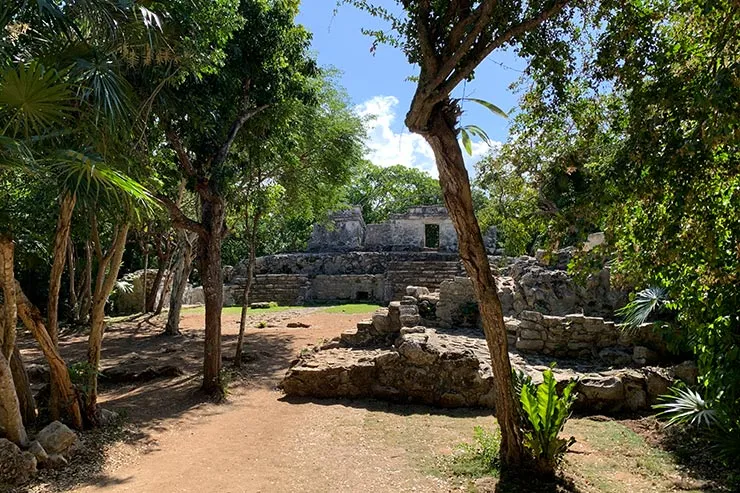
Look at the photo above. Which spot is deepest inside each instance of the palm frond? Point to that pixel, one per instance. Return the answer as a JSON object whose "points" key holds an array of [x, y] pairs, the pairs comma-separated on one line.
{"points": [[686, 406], [637, 311], [32, 99], [87, 173]]}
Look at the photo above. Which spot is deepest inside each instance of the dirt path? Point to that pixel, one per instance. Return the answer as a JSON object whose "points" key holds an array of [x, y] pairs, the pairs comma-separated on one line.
{"points": [[258, 441]]}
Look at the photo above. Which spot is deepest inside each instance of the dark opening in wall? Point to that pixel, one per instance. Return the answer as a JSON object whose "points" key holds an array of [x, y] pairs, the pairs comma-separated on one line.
{"points": [[362, 296], [431, 236]]}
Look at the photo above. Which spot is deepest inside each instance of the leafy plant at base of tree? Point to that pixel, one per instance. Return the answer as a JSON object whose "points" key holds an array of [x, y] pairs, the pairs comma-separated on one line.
{"points": [[544, 414]]}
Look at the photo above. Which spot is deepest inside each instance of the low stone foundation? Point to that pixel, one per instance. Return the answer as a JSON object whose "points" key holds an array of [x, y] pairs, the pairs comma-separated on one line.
{"points": [[452, 369]]}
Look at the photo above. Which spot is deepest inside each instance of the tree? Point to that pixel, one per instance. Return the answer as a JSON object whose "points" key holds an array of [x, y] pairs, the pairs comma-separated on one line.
{"points": [[383, 191], [295, 158], [448, 40], [510, 204], [265, 62]]}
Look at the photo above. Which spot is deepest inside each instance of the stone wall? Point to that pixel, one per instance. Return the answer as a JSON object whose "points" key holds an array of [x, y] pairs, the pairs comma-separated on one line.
{"points": [[357, 287], [344, 231], [525, 284], [578, 336]]}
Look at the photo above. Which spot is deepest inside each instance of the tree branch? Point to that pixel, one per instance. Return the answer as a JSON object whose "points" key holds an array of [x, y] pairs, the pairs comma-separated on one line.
{"points": [[482, 50], [178, 218], [223, 152], [182, 155]]}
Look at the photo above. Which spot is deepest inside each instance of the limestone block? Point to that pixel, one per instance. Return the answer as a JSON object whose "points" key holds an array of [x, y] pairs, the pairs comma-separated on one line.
{"points": [[531, 334], [16, 467], [394, 316], [56, 438], [409, 316], [530, 344], [531, 316], [382, 321]]}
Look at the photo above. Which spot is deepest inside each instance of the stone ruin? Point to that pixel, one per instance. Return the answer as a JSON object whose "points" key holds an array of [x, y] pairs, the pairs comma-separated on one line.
{"points": [[427, 345]]}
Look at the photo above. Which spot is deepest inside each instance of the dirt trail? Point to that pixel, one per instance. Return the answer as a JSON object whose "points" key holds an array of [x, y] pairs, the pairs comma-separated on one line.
{"points": [[257, 442]]}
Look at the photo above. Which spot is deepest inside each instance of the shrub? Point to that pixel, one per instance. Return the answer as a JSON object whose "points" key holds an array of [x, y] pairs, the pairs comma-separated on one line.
{"points": [[479, 458], [544, 414]]}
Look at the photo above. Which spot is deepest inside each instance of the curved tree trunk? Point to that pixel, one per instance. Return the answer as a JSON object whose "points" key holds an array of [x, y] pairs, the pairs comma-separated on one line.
{"points": [[209, 255], [182, 269], [61, 236], [252, 232], [440, 133], [23, 388], [108, 266], [67, 407]]}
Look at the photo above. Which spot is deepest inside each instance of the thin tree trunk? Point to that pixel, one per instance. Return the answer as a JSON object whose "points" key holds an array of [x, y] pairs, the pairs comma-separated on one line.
{"points": [[441, 135], [86, 295], [72, 271], [209, 254], [108, 266], [166, 286], [252, 232], [23, 388], [64, 223], [145, 303], [151, 299], [183, 268]]}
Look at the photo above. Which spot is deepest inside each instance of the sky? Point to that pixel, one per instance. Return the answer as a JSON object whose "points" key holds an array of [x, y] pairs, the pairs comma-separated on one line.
{"points": [[378, 87]]}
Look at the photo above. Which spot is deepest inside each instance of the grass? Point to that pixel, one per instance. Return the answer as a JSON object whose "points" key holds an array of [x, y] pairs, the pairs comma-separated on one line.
{"points": [[236, 310], [352, 308]]}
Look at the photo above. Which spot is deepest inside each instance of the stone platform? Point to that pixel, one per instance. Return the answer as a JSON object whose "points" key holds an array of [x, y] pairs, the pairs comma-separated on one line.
{"points": [[452, 369]]}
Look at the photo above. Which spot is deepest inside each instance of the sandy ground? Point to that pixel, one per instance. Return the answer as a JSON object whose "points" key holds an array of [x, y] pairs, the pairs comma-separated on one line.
{"points": [[257, 441]]}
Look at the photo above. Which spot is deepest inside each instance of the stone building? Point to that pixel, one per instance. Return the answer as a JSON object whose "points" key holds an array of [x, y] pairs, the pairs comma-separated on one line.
{"points": [[424, 228]]}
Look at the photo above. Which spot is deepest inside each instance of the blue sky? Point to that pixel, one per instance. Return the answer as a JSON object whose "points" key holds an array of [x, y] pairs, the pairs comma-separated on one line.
{"points": [[378, 87]]}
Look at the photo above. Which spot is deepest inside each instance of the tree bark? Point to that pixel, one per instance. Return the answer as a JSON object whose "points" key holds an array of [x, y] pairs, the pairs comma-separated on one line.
{"points": [[105, 279], [166, 286], [10, 412], [72, 271], [209, 255], [183, 268], [61, 236], [23, 388], [252, 234], [85, 298], [68, 406], [11, 418], [440, 133]]}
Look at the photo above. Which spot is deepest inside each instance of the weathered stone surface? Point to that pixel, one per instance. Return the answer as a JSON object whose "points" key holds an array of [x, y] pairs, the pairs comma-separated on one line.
{"points": [[686, 371], [16, 467], [452, 369], [38, 451], [56, 438], [260, 305], [382, 321], [615, 357], [417, 291]]}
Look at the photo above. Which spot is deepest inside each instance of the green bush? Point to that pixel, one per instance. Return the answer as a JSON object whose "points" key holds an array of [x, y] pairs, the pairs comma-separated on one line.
{"points": [[544, 414]]}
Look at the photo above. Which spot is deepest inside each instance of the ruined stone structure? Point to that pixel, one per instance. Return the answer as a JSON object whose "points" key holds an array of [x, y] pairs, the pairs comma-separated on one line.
{"points": [[393, 357], [419, 229]]}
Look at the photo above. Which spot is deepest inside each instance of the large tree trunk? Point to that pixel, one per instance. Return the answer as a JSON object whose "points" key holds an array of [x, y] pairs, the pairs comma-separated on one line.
{"points": [[108, 266], [67, 407], [61, 236], [183, 268], [209, 255], [440, 133], [10, 412], [23, 388], [11, 418]]}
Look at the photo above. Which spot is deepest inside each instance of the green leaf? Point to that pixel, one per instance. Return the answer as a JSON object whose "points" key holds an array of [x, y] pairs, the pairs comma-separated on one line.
{"points": [[495, 109], [467, 144]]}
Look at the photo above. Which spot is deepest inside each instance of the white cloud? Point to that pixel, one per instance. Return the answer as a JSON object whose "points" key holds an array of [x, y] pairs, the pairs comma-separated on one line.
{"points": [[386, 147]]}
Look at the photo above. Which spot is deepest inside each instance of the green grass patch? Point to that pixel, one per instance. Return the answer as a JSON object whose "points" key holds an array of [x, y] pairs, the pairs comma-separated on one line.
{"points": [[476, 459], [352, 308], [236, 310]]}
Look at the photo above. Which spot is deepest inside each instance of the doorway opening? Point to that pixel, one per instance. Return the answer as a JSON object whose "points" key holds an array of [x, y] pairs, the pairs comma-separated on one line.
{"points": [[431, 236]]}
